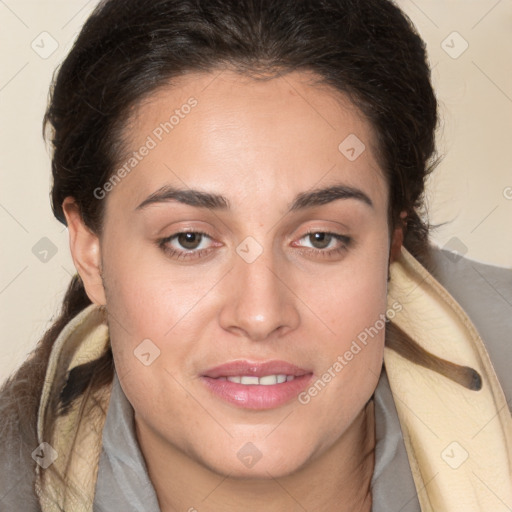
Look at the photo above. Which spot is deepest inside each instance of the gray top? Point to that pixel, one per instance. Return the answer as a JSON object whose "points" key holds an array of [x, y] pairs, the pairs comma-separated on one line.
{"points": [[123, 482], [484, 292]]}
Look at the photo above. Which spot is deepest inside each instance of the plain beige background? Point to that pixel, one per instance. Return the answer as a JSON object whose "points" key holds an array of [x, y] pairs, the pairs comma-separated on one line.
{"points": [[470, 50]]}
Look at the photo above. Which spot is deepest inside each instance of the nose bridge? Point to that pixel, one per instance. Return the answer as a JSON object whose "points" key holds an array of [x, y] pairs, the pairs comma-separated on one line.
{"points": [[260, 280], [260, 302]]}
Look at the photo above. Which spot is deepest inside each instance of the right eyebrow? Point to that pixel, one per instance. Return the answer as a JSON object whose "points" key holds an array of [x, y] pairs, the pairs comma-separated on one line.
{"points": [[190, 197]]}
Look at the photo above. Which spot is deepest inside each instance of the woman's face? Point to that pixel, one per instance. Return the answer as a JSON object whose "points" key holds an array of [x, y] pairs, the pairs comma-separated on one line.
{"points": [[283, 274]]}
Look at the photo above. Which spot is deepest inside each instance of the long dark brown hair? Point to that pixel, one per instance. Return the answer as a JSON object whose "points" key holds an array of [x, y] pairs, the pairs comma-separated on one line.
{"points": [[368, 50]]}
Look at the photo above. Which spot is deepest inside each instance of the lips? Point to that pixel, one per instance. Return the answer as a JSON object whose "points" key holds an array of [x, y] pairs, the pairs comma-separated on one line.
{"points": [[257, 385]]}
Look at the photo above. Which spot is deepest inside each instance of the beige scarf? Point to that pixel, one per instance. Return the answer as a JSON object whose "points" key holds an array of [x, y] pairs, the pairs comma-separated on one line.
{"points": [[458, 441]]}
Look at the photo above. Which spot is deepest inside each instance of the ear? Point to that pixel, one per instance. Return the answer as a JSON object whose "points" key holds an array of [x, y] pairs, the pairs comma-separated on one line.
{"points": [[397, 239], [85, 251]]}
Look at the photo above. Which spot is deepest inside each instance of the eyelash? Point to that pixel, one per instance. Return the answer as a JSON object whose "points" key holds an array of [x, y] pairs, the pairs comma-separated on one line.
{"points": [[194, 253], [345, 240]]}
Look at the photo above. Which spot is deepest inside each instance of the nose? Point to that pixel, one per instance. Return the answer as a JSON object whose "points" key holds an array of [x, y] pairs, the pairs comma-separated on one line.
{"points": [[259, 304]]}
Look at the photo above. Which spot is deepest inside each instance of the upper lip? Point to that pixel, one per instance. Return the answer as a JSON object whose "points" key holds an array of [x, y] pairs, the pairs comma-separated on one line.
{"points": [[255, 368]]}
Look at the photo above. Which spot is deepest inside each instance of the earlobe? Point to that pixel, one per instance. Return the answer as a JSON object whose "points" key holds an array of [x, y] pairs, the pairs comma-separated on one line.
{"points": [[397, 239], [396, 244], [85, 251]]}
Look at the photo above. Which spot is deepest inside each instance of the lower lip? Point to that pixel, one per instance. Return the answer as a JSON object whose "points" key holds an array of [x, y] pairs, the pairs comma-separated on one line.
{"points": [[257, 396]]}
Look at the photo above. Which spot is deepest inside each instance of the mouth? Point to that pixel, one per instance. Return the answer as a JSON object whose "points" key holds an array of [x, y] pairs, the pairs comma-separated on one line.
{"points": [[266, 380], [257, 385]]}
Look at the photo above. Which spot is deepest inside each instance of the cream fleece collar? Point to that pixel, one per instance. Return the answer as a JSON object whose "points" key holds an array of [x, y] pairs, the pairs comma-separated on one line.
{"points": [[458, 441]]}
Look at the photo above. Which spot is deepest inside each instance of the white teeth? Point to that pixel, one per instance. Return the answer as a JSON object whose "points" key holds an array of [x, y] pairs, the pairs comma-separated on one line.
{"points": [[249, 380], [266, 380]]}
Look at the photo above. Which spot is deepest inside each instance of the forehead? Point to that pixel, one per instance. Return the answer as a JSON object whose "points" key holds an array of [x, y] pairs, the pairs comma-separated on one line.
{"points": [[227, 133]]}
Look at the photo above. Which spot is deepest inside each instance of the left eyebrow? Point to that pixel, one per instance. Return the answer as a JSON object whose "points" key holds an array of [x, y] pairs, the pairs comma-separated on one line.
{"points": [[326, 195], [302, 201]]}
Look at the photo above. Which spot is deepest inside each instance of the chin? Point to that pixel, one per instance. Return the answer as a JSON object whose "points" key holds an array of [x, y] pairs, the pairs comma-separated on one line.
{"points": [[259, 461]]}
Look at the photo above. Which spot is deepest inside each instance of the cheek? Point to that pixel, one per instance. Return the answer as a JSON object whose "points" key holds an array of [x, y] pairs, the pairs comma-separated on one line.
{"points": [[147, 294], [157, 315], [153, 325], [352, 305], [351, 297]]}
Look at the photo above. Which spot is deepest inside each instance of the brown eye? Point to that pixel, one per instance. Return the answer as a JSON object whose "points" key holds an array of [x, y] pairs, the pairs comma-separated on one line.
{"points": [[320, 240], [189, 241], [187, 244], [324, 244]]}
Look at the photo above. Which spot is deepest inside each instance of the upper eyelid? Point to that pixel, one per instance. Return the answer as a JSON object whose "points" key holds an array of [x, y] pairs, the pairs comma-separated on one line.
{"points": [[343, 239]]}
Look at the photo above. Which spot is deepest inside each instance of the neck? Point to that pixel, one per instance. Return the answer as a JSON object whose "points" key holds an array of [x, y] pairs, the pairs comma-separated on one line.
{"points": [[338, 480]]}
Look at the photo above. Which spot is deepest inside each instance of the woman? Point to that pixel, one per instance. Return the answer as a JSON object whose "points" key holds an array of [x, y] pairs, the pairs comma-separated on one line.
{"points": [[242, 183]]}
